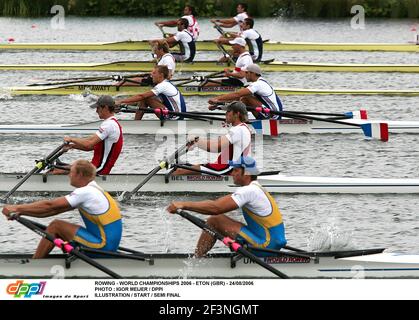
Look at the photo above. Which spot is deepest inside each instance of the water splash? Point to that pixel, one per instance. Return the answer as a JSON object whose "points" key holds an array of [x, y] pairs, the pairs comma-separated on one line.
{"points": [[86, 96], [5, 95], [330, 237]]}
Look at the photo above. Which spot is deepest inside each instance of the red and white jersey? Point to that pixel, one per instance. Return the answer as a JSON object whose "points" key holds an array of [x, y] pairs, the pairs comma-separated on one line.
{"points": [[240, 139], [106, 152], [193, 26], [243, 61]]}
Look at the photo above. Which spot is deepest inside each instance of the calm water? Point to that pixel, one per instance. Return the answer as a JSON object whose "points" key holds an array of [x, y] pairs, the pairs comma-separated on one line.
{"points": [[312, 221]]}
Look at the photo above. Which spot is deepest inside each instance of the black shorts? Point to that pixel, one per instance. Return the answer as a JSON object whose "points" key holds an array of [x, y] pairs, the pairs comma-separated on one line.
{"points": [[231, 82]]}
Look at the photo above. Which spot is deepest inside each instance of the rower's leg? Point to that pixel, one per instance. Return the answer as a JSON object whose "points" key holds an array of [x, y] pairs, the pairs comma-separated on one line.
{"points": [[212, 83], [131, 82], [60, 229], [253, 102], [152, 102], [155, 103], [223, 224], [139, 114]]}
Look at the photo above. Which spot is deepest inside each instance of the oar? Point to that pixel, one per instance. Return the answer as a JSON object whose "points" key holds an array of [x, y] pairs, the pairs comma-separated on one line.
{"points": [[225, 53], [281, 253], [66, 247], [52, 82], [68, 82], [348, 115], [221, 30], [199, 78], [371, 130], [164, 112], [40, 165], [126, 195], [165, 34], [360, 114], [233, 245]]}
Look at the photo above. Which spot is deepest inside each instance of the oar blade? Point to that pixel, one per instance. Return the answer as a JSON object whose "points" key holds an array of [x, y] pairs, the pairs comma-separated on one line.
{"points": [[376, 131], [124, 196], [359, 114]]}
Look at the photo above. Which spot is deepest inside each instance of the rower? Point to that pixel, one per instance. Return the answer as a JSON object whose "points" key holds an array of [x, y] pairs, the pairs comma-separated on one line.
{"points": [[251, 36], [163, 96], [233, 145], [163, 56], [237, 20], [259, 93], [264, 227], [100, 213], [184, 39], [236, 78], [106, 143], [253, 39], [189, 14]]}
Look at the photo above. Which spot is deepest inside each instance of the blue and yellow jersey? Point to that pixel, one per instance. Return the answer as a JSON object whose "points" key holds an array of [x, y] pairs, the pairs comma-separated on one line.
{"points": [[262, 230], [103, 229]]}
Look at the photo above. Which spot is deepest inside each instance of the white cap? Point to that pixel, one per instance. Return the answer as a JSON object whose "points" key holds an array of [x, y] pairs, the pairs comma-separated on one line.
{"points": [[239, 40]]}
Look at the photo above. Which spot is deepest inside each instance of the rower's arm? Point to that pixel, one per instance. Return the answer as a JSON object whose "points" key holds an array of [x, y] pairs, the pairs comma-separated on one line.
{"points": [[41, 209], [84, 144], [213, 145], [234, 96], [224, 40], [137, 98], [169, 23], [226, 23], [208, 207], [235, 74], [171, 41]]}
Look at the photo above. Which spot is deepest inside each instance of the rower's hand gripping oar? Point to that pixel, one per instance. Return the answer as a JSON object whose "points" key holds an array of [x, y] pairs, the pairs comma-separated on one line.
{"points": [[233, 245], [66, 247], [39, 166], [201, 79], [165, 34], [225, 53], [126, 195]]}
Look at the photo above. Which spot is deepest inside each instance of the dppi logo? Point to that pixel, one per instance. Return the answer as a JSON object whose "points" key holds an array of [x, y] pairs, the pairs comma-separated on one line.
{"points": [[27, 290]]}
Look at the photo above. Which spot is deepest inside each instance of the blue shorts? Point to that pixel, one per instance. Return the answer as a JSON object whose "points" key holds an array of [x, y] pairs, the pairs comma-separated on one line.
{"points": [[265, 241], [110, 241]]}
